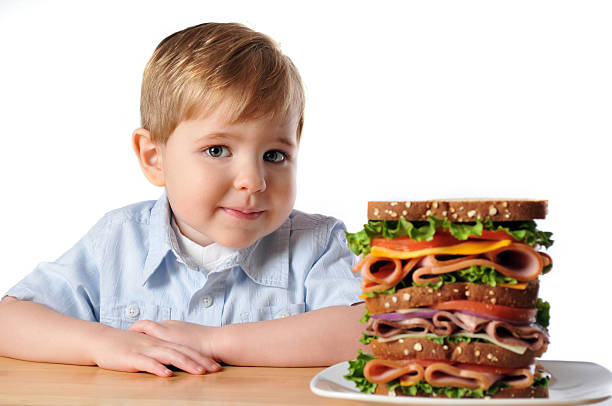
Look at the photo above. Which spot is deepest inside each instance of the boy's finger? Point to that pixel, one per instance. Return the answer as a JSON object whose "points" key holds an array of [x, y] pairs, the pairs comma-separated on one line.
{"points": [[170, 356], [152, 366], [208, 363], [143, 326]]}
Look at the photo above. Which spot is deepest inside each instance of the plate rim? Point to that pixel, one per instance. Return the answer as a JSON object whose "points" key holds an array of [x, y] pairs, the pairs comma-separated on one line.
{"points": [[437, 401]]}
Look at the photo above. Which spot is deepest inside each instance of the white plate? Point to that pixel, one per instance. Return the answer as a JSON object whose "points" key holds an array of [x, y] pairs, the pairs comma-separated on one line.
{"points": [[573, 383]]}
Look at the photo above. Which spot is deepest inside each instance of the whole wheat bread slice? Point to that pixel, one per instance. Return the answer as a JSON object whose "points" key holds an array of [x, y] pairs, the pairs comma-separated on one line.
{"points": [[460, 210]]}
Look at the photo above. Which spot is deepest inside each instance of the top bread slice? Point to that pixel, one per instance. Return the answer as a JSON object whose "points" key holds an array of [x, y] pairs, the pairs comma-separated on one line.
{"points": [[460, 210]]}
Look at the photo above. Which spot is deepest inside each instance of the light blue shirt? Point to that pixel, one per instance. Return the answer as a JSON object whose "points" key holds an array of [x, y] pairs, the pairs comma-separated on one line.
{"points": [[128, 268]]}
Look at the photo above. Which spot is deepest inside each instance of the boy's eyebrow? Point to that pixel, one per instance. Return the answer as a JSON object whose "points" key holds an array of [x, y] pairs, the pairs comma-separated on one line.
{"points": [[224, 135]]}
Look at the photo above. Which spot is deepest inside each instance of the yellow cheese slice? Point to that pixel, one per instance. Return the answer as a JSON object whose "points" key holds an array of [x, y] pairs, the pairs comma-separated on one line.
{"points": [[519, 286], [464, 248]]}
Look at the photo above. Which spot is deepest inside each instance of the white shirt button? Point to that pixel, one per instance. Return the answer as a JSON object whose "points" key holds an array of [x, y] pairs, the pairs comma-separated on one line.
{"points": [[283, 314], [206, 301], [132, 311]]}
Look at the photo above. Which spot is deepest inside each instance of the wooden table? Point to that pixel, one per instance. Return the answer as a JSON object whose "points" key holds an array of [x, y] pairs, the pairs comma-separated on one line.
{"points": [[32, 383]]}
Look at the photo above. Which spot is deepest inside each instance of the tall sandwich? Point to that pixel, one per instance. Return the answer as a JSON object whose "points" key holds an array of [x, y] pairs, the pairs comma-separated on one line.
{"points": [[451, 293]]}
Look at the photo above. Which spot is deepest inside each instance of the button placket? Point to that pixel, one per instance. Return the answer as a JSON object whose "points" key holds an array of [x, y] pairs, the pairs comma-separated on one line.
{"points": [[132, 311], [206, 301], [282, 314]]}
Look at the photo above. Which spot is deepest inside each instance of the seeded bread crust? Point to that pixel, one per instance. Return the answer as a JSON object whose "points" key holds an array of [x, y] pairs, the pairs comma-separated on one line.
{"points": [[422, 296], [503, 393], [460, 210], [466, 353]]}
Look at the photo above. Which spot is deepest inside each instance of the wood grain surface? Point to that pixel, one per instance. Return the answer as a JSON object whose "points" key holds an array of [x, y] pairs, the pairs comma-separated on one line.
{"points": [[32, 383]]}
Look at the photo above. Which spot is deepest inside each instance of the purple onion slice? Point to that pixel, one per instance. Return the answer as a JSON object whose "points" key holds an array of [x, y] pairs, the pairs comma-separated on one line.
{"points": [[425, 314]]}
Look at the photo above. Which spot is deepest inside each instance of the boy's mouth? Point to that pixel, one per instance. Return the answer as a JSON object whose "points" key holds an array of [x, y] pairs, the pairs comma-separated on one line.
{"points": [[244, 214]]}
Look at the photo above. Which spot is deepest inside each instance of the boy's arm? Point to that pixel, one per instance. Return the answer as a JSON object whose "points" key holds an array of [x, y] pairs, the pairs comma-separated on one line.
{"points": [[317, 338], [34, 332]]}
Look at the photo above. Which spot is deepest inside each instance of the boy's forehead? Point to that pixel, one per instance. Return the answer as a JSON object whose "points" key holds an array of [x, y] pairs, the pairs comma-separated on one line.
{"points": [[224, 116]]}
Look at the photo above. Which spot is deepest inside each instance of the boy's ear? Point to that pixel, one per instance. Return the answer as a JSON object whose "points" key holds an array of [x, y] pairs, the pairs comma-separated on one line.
{"points": [[149, 156]]}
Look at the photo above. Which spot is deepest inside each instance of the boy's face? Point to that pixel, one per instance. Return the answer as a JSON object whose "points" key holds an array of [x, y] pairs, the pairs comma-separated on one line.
{"points": [[230, 183]]}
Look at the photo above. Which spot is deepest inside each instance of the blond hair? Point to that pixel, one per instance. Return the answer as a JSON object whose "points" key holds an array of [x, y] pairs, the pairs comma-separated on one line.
{"points": [[192, 71]]}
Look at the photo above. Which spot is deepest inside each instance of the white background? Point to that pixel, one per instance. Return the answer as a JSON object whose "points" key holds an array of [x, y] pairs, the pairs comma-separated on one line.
{"points": [[405, 100]]}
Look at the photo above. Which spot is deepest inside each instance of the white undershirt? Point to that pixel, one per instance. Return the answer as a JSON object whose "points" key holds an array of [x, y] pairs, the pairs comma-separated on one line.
{"points": [[208, 258]]}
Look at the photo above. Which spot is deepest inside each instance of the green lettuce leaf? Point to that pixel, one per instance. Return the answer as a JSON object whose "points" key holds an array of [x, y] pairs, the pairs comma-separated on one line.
{"points": [[524, 231], [366, 339], [543, 314], [366, 316], [356, 373], [474, 274], [448, 391]]}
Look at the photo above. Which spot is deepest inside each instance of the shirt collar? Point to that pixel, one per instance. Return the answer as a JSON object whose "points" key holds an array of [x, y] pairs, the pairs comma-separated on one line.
{"points": [[266, 262]]}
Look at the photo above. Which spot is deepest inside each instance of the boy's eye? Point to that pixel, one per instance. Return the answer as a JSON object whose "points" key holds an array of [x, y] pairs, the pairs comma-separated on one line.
{"points": [[275, 156], [218, 151]]}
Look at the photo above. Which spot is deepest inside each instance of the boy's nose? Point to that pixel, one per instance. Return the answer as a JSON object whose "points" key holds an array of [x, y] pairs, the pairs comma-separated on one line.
{"points": [[250, 179]]}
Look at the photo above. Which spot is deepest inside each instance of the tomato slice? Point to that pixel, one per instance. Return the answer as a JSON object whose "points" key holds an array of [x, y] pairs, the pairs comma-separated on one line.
{"points": [[492, 235], [496, 311], [440, 239]]}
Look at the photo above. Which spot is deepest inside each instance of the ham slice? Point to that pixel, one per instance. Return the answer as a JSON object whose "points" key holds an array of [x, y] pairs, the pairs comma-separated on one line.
{"points": [[443, 374], [519, 379], [386, 328], [525, 336], [469, 322], [518, 261], [380, 273], [383, 371]]}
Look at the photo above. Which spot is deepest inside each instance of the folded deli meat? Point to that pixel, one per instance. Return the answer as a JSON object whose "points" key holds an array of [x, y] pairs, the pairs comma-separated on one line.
{"points": [[451, 294]]}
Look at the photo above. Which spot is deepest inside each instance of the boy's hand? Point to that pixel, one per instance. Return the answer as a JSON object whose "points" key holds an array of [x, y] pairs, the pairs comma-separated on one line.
{"points": [[131, 351], [191, 335]]}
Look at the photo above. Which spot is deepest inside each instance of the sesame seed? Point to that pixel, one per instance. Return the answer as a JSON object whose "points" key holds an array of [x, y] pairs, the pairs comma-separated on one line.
{"points": [[387, 305], [471, 213], [401, 340], [467, 293], [393, 203], [406, 296], [507, 215], [492, 210], [492, 293], [394, 299], [406, 352], [376, 212], [439, 293], [477, 353], [428, 213], [452, 209], [407, 204], [456, 290], [435, 205], [505, 204], [461, 208], [444, 213], [429, 290], [418, 347], [404, 212], [489, 356], [458, 350], [445, 347], [393, 214], [493, 300], [455, 216]]}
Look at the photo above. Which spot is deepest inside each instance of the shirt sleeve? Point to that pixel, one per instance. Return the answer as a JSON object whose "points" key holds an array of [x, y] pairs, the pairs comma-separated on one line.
{"points": [[330, 281], [69, 285]]}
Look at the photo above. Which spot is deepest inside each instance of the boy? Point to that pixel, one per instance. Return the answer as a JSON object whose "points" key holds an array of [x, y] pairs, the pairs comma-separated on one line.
{"points": [[220, 268]]}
